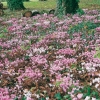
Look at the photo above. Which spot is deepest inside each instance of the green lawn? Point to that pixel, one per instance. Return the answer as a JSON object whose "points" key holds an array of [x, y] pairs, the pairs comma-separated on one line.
{"points": [[40, 5], [35, 4], [91, 4]]}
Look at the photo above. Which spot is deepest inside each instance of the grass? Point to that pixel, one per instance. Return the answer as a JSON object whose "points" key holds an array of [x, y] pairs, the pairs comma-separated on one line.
{"points": [[40, 5], [35, 4], [49, 4], [90, 4]]}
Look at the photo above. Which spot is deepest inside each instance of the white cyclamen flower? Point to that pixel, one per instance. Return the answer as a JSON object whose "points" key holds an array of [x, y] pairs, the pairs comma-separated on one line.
{"points": [[87, 98], [93, 98]]}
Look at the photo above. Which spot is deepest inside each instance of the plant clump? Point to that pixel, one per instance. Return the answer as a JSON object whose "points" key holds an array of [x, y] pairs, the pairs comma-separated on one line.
{"points": [[15, 4]]}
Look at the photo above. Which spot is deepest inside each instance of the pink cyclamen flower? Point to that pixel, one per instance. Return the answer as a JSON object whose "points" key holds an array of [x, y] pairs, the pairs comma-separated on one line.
{"points": [[79, 96], [98, 29]]}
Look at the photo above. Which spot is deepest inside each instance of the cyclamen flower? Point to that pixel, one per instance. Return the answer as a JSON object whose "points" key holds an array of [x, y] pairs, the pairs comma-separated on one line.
{"points": [[66, 83], [66, 51], [1, 64], [30, 73], [98, 29], [75, 98], [39, 60], [54, 69], [68, 61], [46, 22], [40, 50], [1, 19], [87, 98], [79, 96], [96, 21], [4, 94], [96, 60], [94, 98]]}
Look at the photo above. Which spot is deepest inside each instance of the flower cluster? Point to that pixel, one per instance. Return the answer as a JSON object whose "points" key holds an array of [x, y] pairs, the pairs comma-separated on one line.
{"points": [[43, 57]]}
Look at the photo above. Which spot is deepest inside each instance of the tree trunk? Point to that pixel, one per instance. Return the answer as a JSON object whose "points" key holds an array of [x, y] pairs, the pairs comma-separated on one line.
{"points": [[59, 8], [71, 6], [67, 6], [15, 4], [1, 9]]}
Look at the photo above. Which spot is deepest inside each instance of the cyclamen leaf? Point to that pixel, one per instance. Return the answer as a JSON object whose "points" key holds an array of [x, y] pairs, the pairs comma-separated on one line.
{"points": [[66, 96], [58, 96], [24, 98], [42, 99], [27, 57], [88, 91], [94, 93], [97, 55], [0, 47], [58, 83], [16, 98]]}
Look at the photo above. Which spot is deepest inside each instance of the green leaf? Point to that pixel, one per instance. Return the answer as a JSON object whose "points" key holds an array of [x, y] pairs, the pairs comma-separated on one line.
{"points": [[42, 99], [67, 96], [88, 90], [58, 96], [96, 94], [58, 83], [97, 49], [27, 58], [2, 35], [5, 30], [16, 98], [84, 95], [0, 47], [97, 55], [25, 47], [24, 98]]}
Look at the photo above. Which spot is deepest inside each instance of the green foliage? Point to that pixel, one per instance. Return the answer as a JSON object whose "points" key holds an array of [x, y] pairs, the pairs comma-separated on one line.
{"points": [[67, 97], [16, 98], [42, 0], [80, 11], [88, 91], [27, 58], [87, 28], [82, 26], [60, 8], [71, 6], [58, 96], [66, 6], [97, 55], [25, 47], [15, 4], [42, 99], [23, 98], [26, 0], [2, 35], [58, 83], [0, 48]]}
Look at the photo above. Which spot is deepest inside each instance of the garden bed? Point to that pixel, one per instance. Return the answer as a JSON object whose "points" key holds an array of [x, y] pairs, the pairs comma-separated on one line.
{"points": [[50, 58]]}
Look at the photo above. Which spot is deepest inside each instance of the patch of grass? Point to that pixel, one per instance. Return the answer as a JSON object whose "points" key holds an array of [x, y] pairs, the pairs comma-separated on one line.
{"points": [[90, 4], [49, 4], [2, 35], [40, 5]]}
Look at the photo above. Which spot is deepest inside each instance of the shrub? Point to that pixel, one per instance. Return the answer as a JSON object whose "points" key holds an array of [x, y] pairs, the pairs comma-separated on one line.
{"points": [[71, 6], [26, 0], [15, 4]]}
